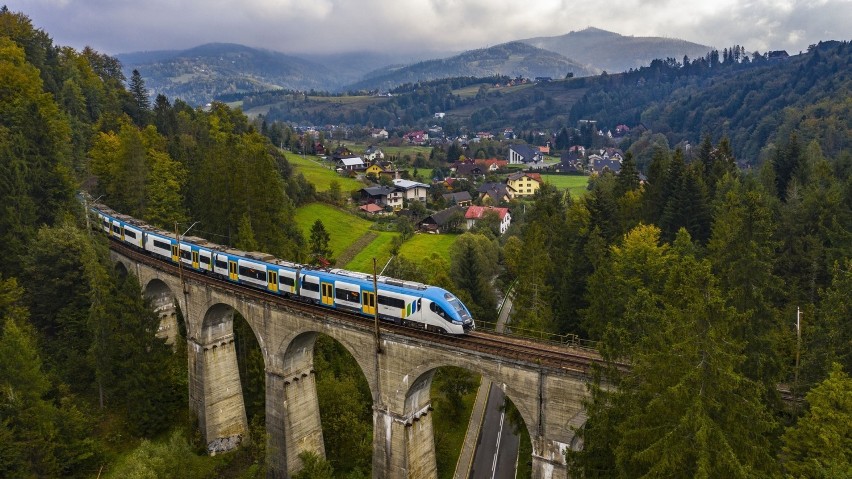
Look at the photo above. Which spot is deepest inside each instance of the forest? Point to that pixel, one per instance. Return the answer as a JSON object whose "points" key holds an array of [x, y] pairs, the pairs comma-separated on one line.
{"points": [[692, 273]]}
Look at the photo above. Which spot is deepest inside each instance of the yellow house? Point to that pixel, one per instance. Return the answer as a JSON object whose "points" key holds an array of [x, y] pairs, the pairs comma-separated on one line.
{"points": [[375, 170], [524, 184]]}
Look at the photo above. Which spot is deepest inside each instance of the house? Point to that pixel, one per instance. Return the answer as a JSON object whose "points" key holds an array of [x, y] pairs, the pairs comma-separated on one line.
{"points": [[418, 137], [382, 196], [545, 150], [319, 149], [443, 221], [569, 166], [525, 184], [524, 154], [495, 193], [379, 134], [341, 152], [372, 209], [475, 213], [440, 114], [491, 164], [350, 164], [374, 170], [412, 190], [461, 198], [373, 153], [579, 149], [485, 135], [597, 165], [509, 134], [470, 170]]}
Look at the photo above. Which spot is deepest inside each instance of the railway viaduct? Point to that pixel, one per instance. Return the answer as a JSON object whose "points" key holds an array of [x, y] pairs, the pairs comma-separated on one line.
{"points": [[547, 390]]}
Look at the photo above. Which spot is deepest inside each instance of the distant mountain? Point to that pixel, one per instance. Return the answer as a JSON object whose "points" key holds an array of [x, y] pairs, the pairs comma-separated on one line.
{"points": [[200, 74], [616, 53], [351, 67], [512, 59]]}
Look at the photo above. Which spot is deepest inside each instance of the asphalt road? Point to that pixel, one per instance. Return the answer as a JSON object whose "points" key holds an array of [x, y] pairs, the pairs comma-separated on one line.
{"points": [[497, 450]]}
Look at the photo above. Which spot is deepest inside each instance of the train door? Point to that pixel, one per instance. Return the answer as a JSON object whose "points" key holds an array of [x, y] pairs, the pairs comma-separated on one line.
{"points": [[195, 259], [327, 293], [175, 256], [368, 302], [272, 280], [232, 271]]}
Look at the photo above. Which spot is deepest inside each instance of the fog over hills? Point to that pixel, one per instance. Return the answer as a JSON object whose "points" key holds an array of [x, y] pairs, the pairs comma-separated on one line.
{"points": [[616, 53], [201, 74]]}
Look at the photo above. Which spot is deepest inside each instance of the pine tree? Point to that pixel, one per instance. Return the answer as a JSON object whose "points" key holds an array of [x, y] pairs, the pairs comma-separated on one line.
{"points": [[318, 244], [141, 106], [820, 444], [742, 252]]}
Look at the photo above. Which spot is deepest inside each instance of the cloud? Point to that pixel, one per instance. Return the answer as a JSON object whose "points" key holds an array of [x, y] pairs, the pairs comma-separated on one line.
{"points": [[323, 26]]}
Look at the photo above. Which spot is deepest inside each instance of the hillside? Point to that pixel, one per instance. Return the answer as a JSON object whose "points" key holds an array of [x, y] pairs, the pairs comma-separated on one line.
{"points": [[752, 102], [201, 74], [611, 52], [512, 59]]}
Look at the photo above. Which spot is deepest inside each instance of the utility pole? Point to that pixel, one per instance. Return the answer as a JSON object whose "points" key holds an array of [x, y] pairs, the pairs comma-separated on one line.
{"points": [[376, 308], [798, 352]]}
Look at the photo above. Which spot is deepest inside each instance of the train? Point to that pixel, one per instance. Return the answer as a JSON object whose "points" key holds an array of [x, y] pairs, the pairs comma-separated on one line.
{"points": [[402, 302]]}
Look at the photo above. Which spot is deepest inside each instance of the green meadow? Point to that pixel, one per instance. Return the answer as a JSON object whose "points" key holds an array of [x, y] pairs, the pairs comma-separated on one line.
{"points": [[343, 228], [576, 184], [320, 174]]}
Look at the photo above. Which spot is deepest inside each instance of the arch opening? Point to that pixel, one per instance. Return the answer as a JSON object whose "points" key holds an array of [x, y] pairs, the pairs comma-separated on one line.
{"points": [[343, 398], [498, 427], [233, 366]]}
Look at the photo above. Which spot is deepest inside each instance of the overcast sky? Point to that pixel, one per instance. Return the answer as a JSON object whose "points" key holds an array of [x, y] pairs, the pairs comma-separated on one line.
{"points": [[329, 26]]}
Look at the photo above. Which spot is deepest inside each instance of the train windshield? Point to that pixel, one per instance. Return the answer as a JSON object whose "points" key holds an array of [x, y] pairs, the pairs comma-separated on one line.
{"points": [[458, 307]]}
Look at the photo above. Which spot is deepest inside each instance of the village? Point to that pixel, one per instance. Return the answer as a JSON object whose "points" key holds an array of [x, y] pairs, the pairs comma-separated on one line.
{"points": [[468, 191]]}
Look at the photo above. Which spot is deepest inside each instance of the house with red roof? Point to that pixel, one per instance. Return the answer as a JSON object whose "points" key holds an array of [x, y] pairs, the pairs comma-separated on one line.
{"points": [[475, 213]]}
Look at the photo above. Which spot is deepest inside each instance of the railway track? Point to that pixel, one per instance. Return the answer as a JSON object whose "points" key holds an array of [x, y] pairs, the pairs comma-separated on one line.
{"points": [[502, 346]]}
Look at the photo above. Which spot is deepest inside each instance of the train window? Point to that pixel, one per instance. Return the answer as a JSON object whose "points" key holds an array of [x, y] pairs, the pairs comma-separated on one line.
{"points": [[116, 229], [346, 295], [160, 244], [252, 273], [204, 259], [220, 263], [310, 286], [129, 234], [438, 310], [287, 281], [186, 254], [391, 302]]}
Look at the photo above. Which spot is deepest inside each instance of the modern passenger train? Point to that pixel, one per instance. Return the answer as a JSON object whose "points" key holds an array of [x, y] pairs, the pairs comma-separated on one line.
{"points": [[402, 302]]}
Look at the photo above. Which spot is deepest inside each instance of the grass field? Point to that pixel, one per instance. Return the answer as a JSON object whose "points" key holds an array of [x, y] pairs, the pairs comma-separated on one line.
{"points": [[320, 175], [576, 184], [421, 246], [379, 248], [343, 228]]}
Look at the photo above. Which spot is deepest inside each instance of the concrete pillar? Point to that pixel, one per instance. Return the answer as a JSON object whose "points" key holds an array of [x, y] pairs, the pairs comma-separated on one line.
{"points": [[302, 426], [276, 458], [403, 446], [167, 312], [548, 459], [292, 410], [215, 391], [404, 442]]}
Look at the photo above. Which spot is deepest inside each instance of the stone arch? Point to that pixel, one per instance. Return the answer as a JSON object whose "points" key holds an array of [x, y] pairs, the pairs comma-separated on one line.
{"points": [[293, 417], [217, 391], [120, 269], [513, 389]]}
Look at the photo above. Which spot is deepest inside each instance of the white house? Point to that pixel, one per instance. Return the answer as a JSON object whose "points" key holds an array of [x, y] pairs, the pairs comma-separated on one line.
{"points": [[412, 190]]}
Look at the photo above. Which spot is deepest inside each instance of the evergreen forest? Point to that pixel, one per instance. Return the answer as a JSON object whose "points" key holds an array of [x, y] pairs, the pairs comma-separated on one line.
{"points": [[686, 266]]}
